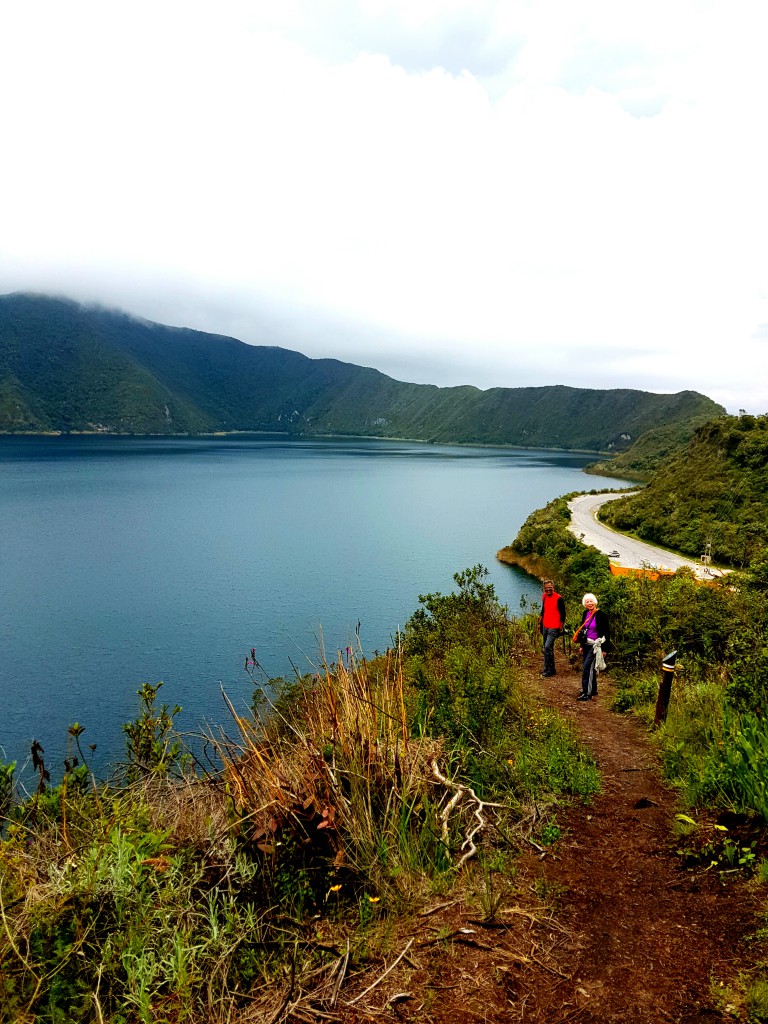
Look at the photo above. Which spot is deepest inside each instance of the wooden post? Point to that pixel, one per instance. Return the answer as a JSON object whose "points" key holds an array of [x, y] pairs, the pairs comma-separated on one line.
{"points": [[665, 688]]}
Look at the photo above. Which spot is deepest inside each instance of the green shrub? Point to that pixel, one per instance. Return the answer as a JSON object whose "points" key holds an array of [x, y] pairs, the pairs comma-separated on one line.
{"points": [[472, 616], [151, 742], [757, 1001], [547, 757]]}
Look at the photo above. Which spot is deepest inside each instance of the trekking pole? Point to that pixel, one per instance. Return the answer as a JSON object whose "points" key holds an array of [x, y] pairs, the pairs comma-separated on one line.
{"points": [[665, 688]]}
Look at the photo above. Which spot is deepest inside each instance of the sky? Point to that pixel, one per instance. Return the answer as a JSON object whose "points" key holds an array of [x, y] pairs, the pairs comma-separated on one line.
{"points": [[504, 193]]}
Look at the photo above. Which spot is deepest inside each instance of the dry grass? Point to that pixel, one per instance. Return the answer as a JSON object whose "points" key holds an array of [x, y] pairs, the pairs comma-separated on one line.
{"points": [[334, 768]]}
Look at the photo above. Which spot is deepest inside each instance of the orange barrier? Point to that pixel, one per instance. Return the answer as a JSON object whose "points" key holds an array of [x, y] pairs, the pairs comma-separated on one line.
{"points": [[654, 574]]}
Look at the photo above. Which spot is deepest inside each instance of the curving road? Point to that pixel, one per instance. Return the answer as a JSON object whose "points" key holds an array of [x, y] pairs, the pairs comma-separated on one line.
{"points": [[622, 549]]}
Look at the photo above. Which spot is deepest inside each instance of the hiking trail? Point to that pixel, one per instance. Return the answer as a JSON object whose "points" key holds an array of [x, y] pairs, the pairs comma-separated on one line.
{"points": [[651, 940], [607, 925]]}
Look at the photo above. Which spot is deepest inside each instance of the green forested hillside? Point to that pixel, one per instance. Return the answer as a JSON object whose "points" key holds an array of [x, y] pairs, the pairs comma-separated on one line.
{"points": [[713, 491], [66, 367], [651, 450], [63, 368]]}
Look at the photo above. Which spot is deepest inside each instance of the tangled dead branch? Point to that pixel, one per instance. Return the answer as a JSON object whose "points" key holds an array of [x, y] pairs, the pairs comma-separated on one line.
{"points": [[468, 847]]}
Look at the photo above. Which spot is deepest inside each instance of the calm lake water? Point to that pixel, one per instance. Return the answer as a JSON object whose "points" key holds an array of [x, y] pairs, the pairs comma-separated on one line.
{"points": [[125, 561]]}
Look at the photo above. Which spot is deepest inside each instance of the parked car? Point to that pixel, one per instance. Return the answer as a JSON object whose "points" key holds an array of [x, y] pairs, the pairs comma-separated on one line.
{"points": [[614, 554]]}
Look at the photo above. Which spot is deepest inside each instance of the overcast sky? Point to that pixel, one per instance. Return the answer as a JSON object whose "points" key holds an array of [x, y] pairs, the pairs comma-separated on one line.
{"points": [[490, 192]]}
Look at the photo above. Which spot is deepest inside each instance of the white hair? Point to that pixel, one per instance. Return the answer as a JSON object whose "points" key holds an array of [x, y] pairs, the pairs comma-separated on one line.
{"points": [[588, 597]]}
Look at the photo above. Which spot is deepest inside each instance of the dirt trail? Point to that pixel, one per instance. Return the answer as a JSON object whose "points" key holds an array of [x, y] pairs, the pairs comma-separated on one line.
{"points": [[605, 926], [650, 940]]}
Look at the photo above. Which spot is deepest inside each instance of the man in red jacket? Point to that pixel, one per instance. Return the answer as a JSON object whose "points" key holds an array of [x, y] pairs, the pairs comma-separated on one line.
{"points": [[551, 622]]}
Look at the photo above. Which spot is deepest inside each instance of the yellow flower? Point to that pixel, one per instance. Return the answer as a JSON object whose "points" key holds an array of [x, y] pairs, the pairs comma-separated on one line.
{"points": [[374, 899], [334, 888]]}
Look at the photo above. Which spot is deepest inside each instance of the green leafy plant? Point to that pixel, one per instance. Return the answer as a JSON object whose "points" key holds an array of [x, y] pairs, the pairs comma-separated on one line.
{"points": [[494, 887], [757, 1001], [550, 832], [151, 742], [7, 770]]}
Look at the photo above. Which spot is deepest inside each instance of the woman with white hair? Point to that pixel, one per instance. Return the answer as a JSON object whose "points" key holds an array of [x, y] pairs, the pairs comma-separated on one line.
{"points": [[594, 636]]}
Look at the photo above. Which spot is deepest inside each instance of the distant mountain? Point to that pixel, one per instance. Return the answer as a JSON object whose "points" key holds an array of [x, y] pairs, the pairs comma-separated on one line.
{"points": [[67, 367], [714, 491]]}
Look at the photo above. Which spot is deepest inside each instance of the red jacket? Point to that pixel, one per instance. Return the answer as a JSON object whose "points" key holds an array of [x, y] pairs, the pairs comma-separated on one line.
{"points": [[552, 611]]}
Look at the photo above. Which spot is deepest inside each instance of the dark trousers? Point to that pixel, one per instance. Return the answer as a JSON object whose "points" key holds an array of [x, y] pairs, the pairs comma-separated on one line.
{"points": [[589, 672], [550, 635]]}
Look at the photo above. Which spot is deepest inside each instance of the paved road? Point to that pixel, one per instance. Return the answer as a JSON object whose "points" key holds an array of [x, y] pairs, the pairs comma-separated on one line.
{"points": [[628, 551]]}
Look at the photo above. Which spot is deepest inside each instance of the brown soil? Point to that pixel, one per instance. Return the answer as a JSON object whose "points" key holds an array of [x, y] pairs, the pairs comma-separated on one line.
{"points": [[607, 925], [650, 940]]}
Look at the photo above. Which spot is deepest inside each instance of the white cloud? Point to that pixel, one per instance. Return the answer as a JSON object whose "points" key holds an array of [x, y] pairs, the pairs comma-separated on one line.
{"points": [[490, 193]]}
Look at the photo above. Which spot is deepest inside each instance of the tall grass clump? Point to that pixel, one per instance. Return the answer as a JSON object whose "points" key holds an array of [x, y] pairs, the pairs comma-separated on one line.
{"points": [[366, 779], [722, 764], [334, 791]]}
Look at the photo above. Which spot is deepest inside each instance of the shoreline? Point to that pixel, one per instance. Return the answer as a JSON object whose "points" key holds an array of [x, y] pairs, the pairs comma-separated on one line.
{"points": [[305, 437]]}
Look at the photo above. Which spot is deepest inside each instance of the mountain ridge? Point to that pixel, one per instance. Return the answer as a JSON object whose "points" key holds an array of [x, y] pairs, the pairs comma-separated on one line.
{"points": [[72, 368]]}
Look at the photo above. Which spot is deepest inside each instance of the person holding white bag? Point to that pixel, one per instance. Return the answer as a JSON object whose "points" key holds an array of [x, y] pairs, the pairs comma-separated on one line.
{"points": [[594, 636]]}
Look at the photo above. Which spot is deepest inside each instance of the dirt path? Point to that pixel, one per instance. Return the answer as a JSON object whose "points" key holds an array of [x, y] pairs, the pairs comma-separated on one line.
{"points": [[605, 926], [651, 941]]}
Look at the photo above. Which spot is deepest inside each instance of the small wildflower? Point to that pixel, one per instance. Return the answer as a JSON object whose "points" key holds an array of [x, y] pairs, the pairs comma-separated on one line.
{"points": [[374, 899], [334, 889], [510, 761]]}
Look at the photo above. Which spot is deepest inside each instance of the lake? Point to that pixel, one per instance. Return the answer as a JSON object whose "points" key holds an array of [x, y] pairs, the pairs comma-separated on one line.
{"points": [[125, 561]]}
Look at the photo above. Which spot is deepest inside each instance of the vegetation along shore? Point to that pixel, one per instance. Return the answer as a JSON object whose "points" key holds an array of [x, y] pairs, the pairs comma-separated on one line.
{"points": [[431, 834]]}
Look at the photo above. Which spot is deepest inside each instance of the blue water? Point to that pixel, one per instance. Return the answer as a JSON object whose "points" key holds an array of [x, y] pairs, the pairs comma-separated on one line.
{"points": [[125, 561]]}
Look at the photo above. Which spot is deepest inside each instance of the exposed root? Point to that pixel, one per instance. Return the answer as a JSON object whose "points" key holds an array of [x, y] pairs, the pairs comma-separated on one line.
{"points": [[461, 791], [381, 977]]}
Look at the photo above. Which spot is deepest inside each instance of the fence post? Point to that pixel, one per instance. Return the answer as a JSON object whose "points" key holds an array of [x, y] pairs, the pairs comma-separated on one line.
{"points": [[665, 688]]}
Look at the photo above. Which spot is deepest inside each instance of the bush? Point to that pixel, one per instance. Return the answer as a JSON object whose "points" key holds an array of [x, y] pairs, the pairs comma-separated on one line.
{"points": [[472, 617]]}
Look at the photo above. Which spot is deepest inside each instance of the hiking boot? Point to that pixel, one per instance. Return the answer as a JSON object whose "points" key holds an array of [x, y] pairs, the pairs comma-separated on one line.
{"points": [[584, 696]]}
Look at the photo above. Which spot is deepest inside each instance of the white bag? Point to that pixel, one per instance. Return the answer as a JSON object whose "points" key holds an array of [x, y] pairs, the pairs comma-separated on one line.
{"points": [[599, 658]]}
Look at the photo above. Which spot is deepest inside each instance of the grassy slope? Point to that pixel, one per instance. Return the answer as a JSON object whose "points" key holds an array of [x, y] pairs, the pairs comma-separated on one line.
{"points": [[179, 894]]}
